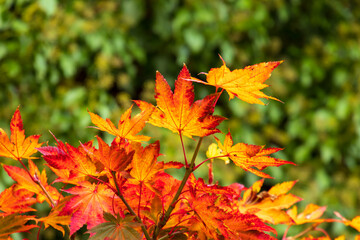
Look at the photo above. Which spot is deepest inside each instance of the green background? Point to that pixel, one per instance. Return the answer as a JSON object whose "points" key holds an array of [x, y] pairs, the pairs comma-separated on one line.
{"points": [[59, 59]]}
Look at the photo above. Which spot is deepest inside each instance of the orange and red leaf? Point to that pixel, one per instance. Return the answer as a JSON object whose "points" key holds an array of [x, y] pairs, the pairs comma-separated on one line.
{"points": [[18, 147], [16, 200], [249, 156], [26, 182], [128, 127], [178, 112], [88, 204]]}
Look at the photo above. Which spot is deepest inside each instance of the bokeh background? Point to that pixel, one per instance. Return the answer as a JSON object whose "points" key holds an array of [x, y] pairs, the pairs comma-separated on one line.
{"points": [[59, 59]]}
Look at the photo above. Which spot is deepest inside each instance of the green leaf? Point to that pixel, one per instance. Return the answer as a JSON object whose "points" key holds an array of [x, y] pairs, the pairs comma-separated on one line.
{"points": [[14, 223], [116, 229]]}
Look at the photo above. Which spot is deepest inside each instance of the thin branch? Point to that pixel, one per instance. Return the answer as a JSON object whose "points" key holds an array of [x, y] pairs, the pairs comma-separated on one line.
{"points": [[140, 200], [197, 166], [147, 236], [285, 233], [36, 180], [188, 171], [312, 227]]}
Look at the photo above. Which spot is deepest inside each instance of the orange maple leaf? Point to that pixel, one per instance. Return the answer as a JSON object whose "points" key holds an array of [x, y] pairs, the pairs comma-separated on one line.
{"points": [[311, 214], [16, 200], [18, 147], [115, 157], [55, 219], [269, 205], [248, 156], [242, 83], [209, 219], [26, 182], [88, 204], [145, 165], [128, 127], [178, 112]]}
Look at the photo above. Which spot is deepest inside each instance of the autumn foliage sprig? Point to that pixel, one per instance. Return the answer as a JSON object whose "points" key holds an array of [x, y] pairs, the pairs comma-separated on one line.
{"points": [[122, 191]]}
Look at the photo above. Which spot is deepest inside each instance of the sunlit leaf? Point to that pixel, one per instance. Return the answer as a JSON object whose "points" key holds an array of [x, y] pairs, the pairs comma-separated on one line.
{"points": [[18, 147]]}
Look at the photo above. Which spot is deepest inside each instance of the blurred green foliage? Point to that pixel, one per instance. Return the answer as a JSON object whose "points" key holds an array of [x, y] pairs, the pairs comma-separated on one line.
{"points": [[60, 58]]}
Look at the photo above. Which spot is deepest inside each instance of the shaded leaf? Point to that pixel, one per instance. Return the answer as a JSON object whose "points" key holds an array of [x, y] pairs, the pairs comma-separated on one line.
{"points": [[116, 229], [54, 219], [14, 223]]}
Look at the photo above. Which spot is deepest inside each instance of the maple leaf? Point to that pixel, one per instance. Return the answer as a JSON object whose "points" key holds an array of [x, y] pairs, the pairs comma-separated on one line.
{"points": [[26, 182], [145, 165], [269, 205], [248, 156], [311, 214], [14, 223], [116, 228], [178, 112], [209, 219], [114, 157], [213, 213], [65, 156], [242, 83], [54, 218], [88, 204], [18, 147], [15, 200], [128, 127]]}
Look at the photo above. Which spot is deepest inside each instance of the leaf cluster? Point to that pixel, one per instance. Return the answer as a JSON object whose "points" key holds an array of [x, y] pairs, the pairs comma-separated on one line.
{"points": [[121, 190]]}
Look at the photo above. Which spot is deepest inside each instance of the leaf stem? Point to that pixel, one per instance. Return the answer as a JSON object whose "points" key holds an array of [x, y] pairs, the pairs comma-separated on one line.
{"points": [[183, 147], [189, 170], [140, 199], [312, 227], [197, 166], [36, 180], [147, 236]]}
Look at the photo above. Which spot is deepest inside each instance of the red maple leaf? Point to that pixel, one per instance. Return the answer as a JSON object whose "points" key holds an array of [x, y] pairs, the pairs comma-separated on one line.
{"points": [[88, 204], [67, 157]]}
